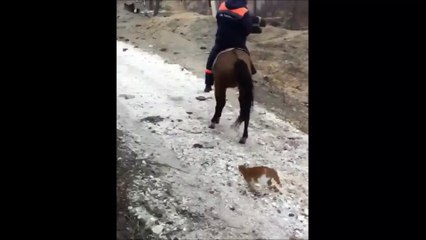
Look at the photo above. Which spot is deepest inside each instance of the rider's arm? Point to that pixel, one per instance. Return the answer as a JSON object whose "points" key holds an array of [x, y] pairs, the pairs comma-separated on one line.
{"points": [[247, 23]]}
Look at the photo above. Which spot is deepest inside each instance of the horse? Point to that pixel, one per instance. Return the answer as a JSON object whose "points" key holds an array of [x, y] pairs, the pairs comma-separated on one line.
{"points": [[231, 68]]}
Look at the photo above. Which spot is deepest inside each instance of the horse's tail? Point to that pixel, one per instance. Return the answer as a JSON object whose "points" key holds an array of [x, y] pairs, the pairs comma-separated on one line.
{"points": [[245, 85]]}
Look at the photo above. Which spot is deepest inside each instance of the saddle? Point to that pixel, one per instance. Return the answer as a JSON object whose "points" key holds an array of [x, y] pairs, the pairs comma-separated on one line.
{"points": [[227, 50], [253, 70]]}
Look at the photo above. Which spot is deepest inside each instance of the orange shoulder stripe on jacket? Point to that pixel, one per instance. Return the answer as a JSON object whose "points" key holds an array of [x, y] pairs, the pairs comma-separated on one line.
{"points": [[222, 6], [240, 11]]}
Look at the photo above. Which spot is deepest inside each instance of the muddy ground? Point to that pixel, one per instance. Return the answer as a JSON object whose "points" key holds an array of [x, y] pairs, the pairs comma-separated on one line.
{"points": [[183, 37], [130, 168], [128, 226]]}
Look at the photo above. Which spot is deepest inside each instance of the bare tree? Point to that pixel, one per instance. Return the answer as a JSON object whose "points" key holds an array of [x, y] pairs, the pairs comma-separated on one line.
{"points": [[157, 7], [185, 3]]}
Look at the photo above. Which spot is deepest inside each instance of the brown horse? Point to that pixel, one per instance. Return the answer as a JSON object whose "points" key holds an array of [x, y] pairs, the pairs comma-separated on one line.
{"points": [[231, 69]]}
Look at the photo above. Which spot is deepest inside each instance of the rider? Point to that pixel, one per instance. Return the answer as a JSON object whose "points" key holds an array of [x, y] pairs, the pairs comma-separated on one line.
{"points": [[234, 24]]}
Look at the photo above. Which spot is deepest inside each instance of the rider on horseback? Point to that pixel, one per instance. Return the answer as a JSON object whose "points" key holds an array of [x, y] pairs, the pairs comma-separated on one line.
{"points": [[234, 24]]}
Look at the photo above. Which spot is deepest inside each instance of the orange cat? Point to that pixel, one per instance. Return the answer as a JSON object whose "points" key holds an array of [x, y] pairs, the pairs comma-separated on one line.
{"points": [[260, 175]]}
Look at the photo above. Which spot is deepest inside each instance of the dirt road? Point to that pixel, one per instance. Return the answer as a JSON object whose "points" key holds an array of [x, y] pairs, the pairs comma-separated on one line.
{"points": [[182, 178], [281, 56]]}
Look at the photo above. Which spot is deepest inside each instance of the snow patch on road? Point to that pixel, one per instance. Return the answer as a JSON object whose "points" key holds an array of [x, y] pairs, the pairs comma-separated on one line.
{"points": [[209, 194]]}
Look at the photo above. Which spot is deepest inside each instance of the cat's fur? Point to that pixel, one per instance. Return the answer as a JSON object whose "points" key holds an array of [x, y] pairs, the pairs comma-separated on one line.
{"points": [[259, 176]]}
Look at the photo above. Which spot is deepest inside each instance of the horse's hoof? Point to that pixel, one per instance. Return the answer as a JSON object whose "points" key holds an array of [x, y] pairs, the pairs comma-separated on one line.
{"points": [[212, 126], [243, 140]]}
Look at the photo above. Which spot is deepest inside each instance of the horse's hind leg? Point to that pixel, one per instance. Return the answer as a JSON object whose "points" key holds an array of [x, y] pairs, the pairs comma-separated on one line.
{"points": [[242, 118], [220, 95], [245, 133]]}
